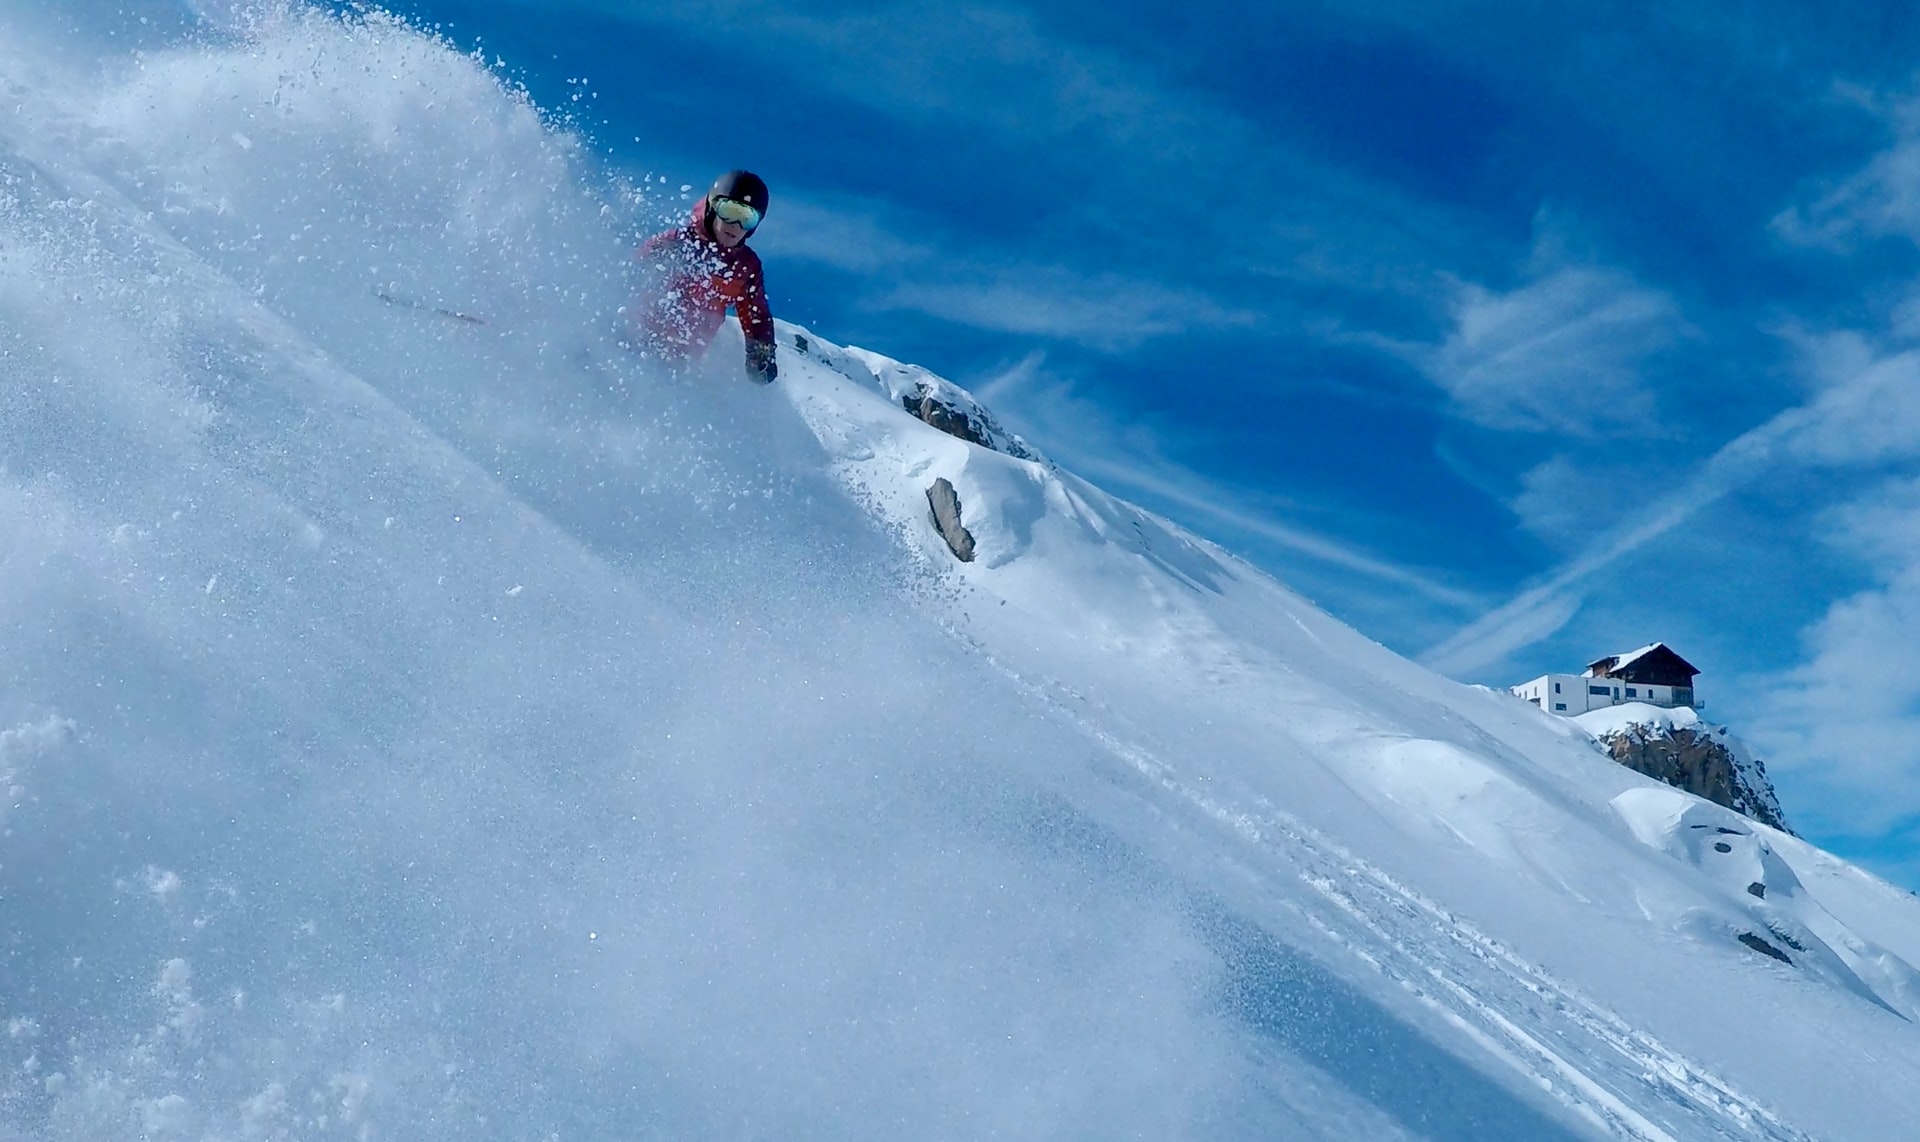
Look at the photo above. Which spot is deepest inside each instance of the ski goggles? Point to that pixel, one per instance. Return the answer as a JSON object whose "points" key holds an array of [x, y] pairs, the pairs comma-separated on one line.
{"points": [[736, 212]]}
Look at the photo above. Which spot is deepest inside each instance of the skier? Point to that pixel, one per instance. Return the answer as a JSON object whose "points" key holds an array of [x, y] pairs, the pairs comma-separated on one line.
{"points": [[696, 271]]}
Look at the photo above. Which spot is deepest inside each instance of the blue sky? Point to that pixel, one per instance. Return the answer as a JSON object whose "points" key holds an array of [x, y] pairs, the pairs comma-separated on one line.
{"points": [[1514, 335]]}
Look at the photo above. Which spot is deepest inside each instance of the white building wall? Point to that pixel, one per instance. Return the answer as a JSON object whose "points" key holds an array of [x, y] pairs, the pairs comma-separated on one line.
{"points": [[1556, 693], [1569, 694]]}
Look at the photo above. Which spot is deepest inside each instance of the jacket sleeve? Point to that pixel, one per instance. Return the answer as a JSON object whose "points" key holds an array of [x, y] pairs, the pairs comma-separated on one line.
{"points": [[653, 263], [756, 319], [656, 246]]}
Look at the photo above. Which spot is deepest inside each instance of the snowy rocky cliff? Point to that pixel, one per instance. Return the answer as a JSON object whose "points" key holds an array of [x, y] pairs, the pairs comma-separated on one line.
{"points": [[937, 401], [1676, 746]]}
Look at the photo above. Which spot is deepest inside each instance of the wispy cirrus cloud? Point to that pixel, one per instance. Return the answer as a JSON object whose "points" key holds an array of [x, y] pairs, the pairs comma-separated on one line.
{"points": [[1847, 718], [1132, 143], [843, 233], [1564, 353], [985, 288], [1561, 354], [992, 67], [1880, 199], [1104, 311], [1867, 417], [1844, 721], [1560, 498], [1132, 458]]}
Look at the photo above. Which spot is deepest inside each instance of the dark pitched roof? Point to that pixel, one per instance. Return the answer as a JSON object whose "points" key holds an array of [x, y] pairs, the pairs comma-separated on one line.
{"points": [[1655, 663]]}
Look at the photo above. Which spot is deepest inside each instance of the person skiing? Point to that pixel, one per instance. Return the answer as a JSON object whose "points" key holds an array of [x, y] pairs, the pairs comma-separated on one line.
{"points": [[697, 270]]}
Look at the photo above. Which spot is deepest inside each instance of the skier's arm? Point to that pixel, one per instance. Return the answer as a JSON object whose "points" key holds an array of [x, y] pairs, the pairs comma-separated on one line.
{"points": [[656, 255], [654, 249], [756, 323]]}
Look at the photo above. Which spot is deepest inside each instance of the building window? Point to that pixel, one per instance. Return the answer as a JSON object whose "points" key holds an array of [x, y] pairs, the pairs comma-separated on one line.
{"points": [[1556, 687], [1559, 705], [1631, 694], [1600, 690]]}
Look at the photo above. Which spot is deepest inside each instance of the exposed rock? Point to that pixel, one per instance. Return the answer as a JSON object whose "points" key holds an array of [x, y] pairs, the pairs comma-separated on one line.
{"points": [[1764, 948], [954, 411], [1701, 759], [944, 405], [946, 417], [946, 516]]}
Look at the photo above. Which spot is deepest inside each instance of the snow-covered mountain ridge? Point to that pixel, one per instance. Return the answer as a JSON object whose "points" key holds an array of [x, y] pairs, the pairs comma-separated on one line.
{"points": [[422, 729], [1158, 593]]}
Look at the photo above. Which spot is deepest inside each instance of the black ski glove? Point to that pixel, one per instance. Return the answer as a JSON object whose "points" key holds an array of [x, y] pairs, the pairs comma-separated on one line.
{"points": [[760, 363]]}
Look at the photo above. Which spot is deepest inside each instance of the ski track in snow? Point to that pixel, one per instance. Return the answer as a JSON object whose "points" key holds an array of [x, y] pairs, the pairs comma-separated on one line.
{"points": [[1350, 880], [1431, 953]]}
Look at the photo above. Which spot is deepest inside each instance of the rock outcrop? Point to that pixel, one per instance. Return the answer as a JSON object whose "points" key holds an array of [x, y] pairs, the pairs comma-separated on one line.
{"points": [[933, 400], [945, 503], [1676, 747], [945, 405]]}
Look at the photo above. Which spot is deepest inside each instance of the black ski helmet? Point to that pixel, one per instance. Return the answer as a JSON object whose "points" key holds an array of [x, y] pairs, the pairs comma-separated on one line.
{"points": [[741, 186]]}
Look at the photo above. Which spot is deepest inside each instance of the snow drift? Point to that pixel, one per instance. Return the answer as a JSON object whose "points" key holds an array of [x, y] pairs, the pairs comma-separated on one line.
{"points": [[420, 727]]}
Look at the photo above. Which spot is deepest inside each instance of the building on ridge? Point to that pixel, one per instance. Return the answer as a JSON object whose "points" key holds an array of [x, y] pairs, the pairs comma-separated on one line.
{"points": [[1653, 674]]}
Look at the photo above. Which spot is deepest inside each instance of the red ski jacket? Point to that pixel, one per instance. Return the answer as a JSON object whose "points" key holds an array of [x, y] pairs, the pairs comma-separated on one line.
{"points": [[696, 279]]}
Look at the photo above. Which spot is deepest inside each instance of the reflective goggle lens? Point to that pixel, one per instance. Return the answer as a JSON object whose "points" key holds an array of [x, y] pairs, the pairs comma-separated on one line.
{"points": [[739, 213]]}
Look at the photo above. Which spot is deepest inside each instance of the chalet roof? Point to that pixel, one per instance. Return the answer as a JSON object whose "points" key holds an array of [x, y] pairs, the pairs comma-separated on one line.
{"points": [[1622, 661], [1615, 663]]}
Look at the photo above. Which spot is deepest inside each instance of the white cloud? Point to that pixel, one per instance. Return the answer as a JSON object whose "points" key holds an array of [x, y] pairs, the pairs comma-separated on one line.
{"points": [[1848, 718], [847, 235], [1866, 419], [1559, 500], [1531, 617], [1136, 136], [1104, 311], [988, 66], [1128, 457], [1871, 418], [1561, 354], [1845, 720], [1882, 530], [1881, 199], [981, 288]]}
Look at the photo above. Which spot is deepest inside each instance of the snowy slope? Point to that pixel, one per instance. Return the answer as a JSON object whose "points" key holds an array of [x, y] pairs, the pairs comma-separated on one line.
{"points": [[417, 728], [1459, 797]]}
